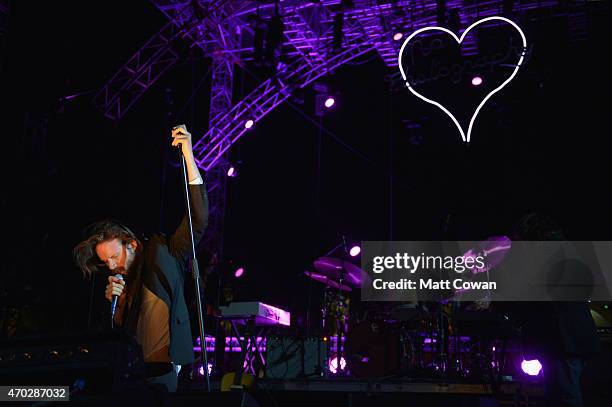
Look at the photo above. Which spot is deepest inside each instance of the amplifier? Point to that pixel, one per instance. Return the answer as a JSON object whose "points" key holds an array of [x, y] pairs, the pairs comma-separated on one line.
{"points": [[295, 357], [98, 362], [602, 314]]}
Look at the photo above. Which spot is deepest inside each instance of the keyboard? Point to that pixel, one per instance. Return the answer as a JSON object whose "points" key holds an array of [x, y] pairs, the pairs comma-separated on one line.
{"points": [[263, 314]]}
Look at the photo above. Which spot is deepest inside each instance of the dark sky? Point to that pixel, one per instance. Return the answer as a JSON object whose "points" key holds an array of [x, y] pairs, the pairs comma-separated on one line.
{"points": [[540, 145]]}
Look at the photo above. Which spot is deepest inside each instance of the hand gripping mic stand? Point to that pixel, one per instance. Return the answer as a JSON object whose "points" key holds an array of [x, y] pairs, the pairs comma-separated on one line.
{"points": [[195, 271]]}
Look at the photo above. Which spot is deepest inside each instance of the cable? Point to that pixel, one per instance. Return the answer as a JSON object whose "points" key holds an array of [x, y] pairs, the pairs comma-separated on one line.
{"points": [[91, 294], [318, 124], [195, 90]]}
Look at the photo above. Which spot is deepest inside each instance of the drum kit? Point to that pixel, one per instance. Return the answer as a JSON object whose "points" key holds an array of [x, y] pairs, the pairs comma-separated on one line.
{"points": [[444, 339]]}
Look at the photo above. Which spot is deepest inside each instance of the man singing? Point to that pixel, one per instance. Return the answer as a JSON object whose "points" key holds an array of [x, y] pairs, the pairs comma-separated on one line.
{"points": [[151, 305]]}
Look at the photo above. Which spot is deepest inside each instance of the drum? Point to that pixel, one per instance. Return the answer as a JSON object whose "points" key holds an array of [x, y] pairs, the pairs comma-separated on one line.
{"points": [[373, 349], [336, 309]]}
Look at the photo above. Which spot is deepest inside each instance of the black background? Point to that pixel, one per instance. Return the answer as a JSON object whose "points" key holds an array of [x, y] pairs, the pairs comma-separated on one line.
{"points": [[541, 144]]}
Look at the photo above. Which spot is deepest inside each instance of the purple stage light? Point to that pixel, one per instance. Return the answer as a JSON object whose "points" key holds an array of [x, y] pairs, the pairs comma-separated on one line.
{"points": [[531, 367], [201, 370], [232, 344], [239, 272], [355, 250], [249, 123], [397, 36], [333, 364], [329, 102], [476, 81], [231, 172]]}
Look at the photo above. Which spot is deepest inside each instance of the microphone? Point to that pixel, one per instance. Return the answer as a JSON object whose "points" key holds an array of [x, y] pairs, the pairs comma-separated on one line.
{"points": [[178, 148], [115, 298]]}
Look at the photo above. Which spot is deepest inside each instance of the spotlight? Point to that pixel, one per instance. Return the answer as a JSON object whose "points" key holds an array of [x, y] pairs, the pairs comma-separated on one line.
{"points": [[531, 367], [397, 36], [325, 98], [201, 370], [248, 124], [232, 172], [239, 272], [355, 250], [476, 81], [333, 364]]}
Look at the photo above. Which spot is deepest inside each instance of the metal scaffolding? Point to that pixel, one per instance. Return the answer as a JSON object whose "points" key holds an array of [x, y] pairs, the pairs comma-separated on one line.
{"points": [[310, 48], [220, 104]]}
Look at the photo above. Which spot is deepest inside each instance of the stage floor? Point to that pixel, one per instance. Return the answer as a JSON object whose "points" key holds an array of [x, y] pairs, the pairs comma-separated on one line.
{"points": [[381, 385], [340, 391]]}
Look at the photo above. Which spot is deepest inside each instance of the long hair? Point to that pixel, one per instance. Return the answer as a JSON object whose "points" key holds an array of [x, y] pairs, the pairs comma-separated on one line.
{"points": [[84, 253], [537, 226]]}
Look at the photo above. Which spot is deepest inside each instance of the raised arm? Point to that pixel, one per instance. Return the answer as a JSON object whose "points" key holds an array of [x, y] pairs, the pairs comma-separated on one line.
{"points": [[179, 242]]}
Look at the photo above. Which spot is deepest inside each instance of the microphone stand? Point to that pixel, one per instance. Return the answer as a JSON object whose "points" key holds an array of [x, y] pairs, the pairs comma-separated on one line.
{"points": [[195, 271], [340, 317]]}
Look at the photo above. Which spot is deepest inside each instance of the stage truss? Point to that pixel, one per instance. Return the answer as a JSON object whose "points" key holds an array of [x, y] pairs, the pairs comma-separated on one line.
{"points": [[224, 30]]}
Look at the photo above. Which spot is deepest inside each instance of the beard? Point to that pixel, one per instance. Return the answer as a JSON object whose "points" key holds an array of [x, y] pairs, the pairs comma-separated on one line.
{"points": [[131, 264]]}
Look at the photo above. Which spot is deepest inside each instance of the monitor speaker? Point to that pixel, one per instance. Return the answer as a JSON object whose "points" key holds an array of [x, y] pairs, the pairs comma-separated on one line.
{"points": [[293, 357], [91, 362]]}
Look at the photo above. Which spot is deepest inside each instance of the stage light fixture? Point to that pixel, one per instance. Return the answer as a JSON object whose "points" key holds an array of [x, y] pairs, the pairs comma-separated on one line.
{"points": [[248, 124], [355, 250], [531, 367], [476, 81], [232, 172], [325, 98], [239, 272], [397, 36], [333, 364], [201, 370]]}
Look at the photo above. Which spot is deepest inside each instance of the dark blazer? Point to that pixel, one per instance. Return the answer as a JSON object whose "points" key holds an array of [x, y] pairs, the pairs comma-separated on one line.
{"points": [[559, 327], [164, 268]]}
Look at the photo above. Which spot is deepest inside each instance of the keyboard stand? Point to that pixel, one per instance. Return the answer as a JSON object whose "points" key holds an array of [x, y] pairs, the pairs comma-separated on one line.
{"points": [[249, 357]]}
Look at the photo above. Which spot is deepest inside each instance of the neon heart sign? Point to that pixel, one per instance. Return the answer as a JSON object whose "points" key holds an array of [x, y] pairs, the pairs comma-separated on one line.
{"points": [[465, 137]]}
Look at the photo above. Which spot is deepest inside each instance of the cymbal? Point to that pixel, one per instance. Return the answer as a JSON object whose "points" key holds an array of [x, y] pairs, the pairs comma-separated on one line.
{"points": [[327, 281], [336, 268], [494, 249], [407, 312]]}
